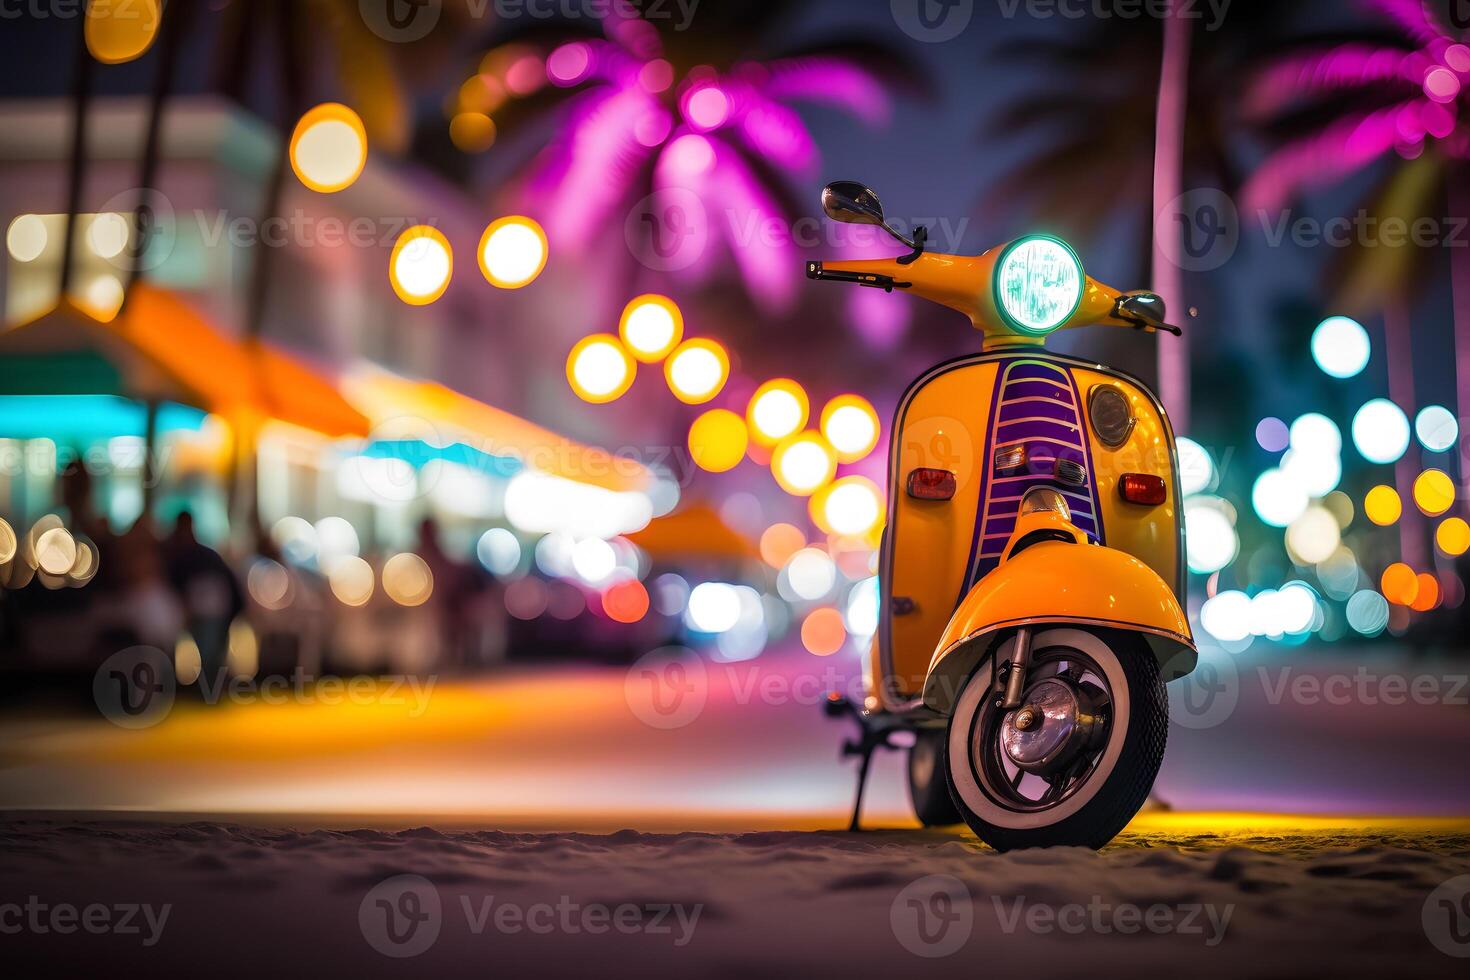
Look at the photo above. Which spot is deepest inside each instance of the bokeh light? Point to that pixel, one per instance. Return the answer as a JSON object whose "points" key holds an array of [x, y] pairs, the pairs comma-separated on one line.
{"points": [[421, 265], [108, 234], [651, 326], [1436, 428], [55, 551], [851, 427], [1210, 539], [599, 368], [779, 542], [811, 573], [1196, 468], [718, 440], [26, 238], [119, 31], [1314, 434], [1340, 346], [1226, 616], [407, 579], [1453, 536], [1382, 505], [1277, 499], [329, 148], [472, 132], [1381, 431], [697, 370], [851, 506], [351, 580], [499, 550], [778, 408], [803, 464], [1367, 612], [513, 251], [1427, 595], [1434, 492], [1313, 536], [626, 601], [1399, 584], [1272, 434], [714, 607], [822, 632]]}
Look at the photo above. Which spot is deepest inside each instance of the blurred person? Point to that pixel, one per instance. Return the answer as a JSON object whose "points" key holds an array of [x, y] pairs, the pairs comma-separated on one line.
{"points": [[207, 590], [449, 603]]}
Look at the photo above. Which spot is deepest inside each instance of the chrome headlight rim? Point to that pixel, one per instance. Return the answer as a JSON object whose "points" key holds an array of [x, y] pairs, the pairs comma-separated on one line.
{"points": [[1112, 439]]}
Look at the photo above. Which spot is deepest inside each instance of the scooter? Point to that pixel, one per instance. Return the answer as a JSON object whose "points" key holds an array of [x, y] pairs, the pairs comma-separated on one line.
{"points": [[1032, 570]]}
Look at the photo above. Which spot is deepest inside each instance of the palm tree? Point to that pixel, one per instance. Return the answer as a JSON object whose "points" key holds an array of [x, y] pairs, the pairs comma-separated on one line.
{"points": [[686, 116], [1117, 148], [1397, 98]]}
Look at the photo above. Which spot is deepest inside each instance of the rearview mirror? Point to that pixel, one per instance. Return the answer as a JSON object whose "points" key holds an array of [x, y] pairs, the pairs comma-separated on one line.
{"points": [[851, 202]]}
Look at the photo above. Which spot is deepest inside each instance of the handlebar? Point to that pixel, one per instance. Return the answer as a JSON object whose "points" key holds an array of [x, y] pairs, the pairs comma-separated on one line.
{"points": [[963, 283]]}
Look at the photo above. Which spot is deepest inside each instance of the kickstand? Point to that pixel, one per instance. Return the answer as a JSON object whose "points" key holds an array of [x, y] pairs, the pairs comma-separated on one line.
{"points": [[871, 738]]}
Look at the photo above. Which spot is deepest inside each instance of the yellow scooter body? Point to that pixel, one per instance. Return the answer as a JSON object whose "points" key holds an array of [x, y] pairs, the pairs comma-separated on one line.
{"points": [[951, 577], [949, 583]]}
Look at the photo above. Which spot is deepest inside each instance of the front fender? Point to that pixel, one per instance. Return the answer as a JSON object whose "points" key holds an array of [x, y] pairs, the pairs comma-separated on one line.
{"points": [[1054, 583]]}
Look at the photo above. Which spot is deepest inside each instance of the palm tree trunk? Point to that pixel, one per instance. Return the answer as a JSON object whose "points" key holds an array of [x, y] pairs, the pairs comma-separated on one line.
{"points": [[77, 173], [175, 22], [1168, 278], [1459, 181], [246, 502], [1399, 351]]}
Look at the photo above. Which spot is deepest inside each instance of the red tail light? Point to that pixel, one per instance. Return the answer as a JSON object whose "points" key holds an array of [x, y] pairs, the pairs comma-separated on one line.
{"points": [[1143, 488], [931, 484]]}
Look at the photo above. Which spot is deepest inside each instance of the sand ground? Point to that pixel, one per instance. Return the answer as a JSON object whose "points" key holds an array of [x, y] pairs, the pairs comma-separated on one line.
{"points": [[1193, 895]]}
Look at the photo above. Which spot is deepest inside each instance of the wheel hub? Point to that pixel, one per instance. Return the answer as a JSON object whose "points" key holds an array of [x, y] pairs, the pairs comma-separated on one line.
{"points": [[1055, 722]]}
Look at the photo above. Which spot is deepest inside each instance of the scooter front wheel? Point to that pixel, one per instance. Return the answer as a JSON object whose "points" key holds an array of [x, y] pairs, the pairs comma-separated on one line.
{"points": [[1074, 763]]}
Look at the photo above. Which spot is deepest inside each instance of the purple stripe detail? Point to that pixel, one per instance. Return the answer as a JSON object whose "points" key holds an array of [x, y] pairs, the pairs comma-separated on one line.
{"points": [[1038, 389], [1014, 411], [1051, 428], [1016, 431], [1023, 370]]}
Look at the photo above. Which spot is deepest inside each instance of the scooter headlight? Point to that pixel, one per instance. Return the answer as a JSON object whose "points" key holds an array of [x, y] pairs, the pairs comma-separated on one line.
{"points": [[1038, 284]]}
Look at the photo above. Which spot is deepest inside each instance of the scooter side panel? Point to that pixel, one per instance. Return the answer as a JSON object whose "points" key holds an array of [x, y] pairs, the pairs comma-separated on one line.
{"points": [[942, 424], [1149, 533]]}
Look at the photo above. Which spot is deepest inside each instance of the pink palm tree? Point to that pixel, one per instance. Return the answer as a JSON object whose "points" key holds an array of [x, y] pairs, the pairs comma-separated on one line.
{"points": [[1406, 96], [714, 127]]}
